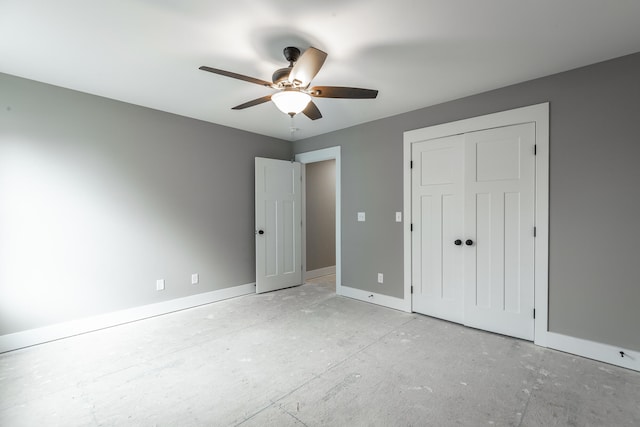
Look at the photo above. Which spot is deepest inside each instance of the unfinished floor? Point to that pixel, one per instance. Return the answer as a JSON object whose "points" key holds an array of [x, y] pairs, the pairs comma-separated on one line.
{"points": [[303, 356]]}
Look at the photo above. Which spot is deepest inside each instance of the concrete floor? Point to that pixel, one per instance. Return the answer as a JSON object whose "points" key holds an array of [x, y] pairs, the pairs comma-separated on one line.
{"points": [[304, 357]]}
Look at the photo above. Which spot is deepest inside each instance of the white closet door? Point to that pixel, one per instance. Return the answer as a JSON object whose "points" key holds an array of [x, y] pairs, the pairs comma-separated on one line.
{"points": [[278, 224], [437, 216], [499, 220]]}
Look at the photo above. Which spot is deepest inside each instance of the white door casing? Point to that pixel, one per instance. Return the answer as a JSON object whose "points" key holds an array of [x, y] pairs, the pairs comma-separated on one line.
{"points": [[472, 201], [330, 153], [278, 223]]}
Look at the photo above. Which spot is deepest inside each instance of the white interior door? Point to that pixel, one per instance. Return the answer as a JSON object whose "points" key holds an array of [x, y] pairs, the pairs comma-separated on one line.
{"points": [[473, 217], [278, 224], [499, 220], [438, 221]]}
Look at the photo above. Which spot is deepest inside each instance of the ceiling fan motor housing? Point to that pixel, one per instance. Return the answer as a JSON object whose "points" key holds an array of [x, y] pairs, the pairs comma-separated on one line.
{"points": [[281, 75]]}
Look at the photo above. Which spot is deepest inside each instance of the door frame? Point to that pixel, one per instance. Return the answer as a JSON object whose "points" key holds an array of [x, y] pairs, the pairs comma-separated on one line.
{"points": [[331, 153], [538, 114]]}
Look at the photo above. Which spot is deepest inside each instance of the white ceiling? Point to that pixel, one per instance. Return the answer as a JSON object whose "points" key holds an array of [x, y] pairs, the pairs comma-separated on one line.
{"points": [[415, 52]]}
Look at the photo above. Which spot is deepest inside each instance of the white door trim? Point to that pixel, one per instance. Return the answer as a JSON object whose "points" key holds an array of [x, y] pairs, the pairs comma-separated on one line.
{"points": [[331, 153], [538, 114]]}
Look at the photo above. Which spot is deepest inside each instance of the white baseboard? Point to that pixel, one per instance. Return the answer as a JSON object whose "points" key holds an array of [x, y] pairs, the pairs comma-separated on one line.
{"points": [[320, 272], [373, 298], [594, 350], [79, 326]]}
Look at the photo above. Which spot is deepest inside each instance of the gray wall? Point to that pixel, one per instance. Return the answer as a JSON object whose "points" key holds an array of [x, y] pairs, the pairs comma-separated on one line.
{"points": [[99, 198], [594, 285], [321, 214]]}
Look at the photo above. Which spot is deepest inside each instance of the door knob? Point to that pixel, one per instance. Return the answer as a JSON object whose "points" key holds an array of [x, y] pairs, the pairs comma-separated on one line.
{"points": [[260, 231], [469, 242], [458, 242]]}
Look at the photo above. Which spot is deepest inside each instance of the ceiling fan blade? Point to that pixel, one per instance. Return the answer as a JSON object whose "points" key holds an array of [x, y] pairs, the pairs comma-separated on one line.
{"points": [[252, 103], [236, 76], [311, 111], [307, 67], [343, 92]]}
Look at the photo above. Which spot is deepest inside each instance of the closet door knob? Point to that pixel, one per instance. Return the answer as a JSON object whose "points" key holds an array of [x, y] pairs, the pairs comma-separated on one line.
{"points": [[469, 242], [458, 242], [260, 231]]}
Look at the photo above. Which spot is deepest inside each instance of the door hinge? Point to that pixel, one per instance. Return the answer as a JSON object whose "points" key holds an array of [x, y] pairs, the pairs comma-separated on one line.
{"points": [[411, 288], [411, 226], [535, 149], [534, 313], [535, 231], [411, 164]]}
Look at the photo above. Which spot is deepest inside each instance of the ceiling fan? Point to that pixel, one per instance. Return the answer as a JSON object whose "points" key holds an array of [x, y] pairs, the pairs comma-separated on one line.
{"points": [[292, 84]]}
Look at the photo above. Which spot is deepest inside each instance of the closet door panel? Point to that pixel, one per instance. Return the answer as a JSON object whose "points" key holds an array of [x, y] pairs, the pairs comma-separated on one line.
{"points": [[499, 217]]}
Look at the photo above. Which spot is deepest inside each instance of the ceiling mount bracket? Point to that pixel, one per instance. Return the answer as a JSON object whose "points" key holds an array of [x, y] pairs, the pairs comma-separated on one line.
{"points": [[291, 54]]}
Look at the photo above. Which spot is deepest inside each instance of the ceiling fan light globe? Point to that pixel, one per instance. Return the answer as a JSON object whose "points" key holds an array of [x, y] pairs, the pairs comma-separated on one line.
{"points": [[291, 101]]}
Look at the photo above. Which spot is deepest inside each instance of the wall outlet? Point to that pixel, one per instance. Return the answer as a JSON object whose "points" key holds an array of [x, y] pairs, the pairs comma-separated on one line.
{"points": [[160, 285], [195, 278], [398, 216], [380, 278], [361, 216]]}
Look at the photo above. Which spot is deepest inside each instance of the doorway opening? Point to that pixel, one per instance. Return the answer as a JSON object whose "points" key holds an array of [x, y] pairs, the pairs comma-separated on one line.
{"points": [[320, 218], [323, 172]]}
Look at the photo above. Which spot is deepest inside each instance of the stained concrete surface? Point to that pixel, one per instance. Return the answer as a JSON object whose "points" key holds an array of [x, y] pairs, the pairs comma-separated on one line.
{"points": [[305, 357]]}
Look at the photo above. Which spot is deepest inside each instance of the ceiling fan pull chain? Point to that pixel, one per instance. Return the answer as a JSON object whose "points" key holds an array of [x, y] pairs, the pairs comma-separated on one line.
{"points": [[293, 128]]}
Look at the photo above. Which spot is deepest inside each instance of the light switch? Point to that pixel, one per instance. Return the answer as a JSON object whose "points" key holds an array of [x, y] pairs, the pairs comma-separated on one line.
{"points": [[160, 285], [398, 216], [361, 216]]}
